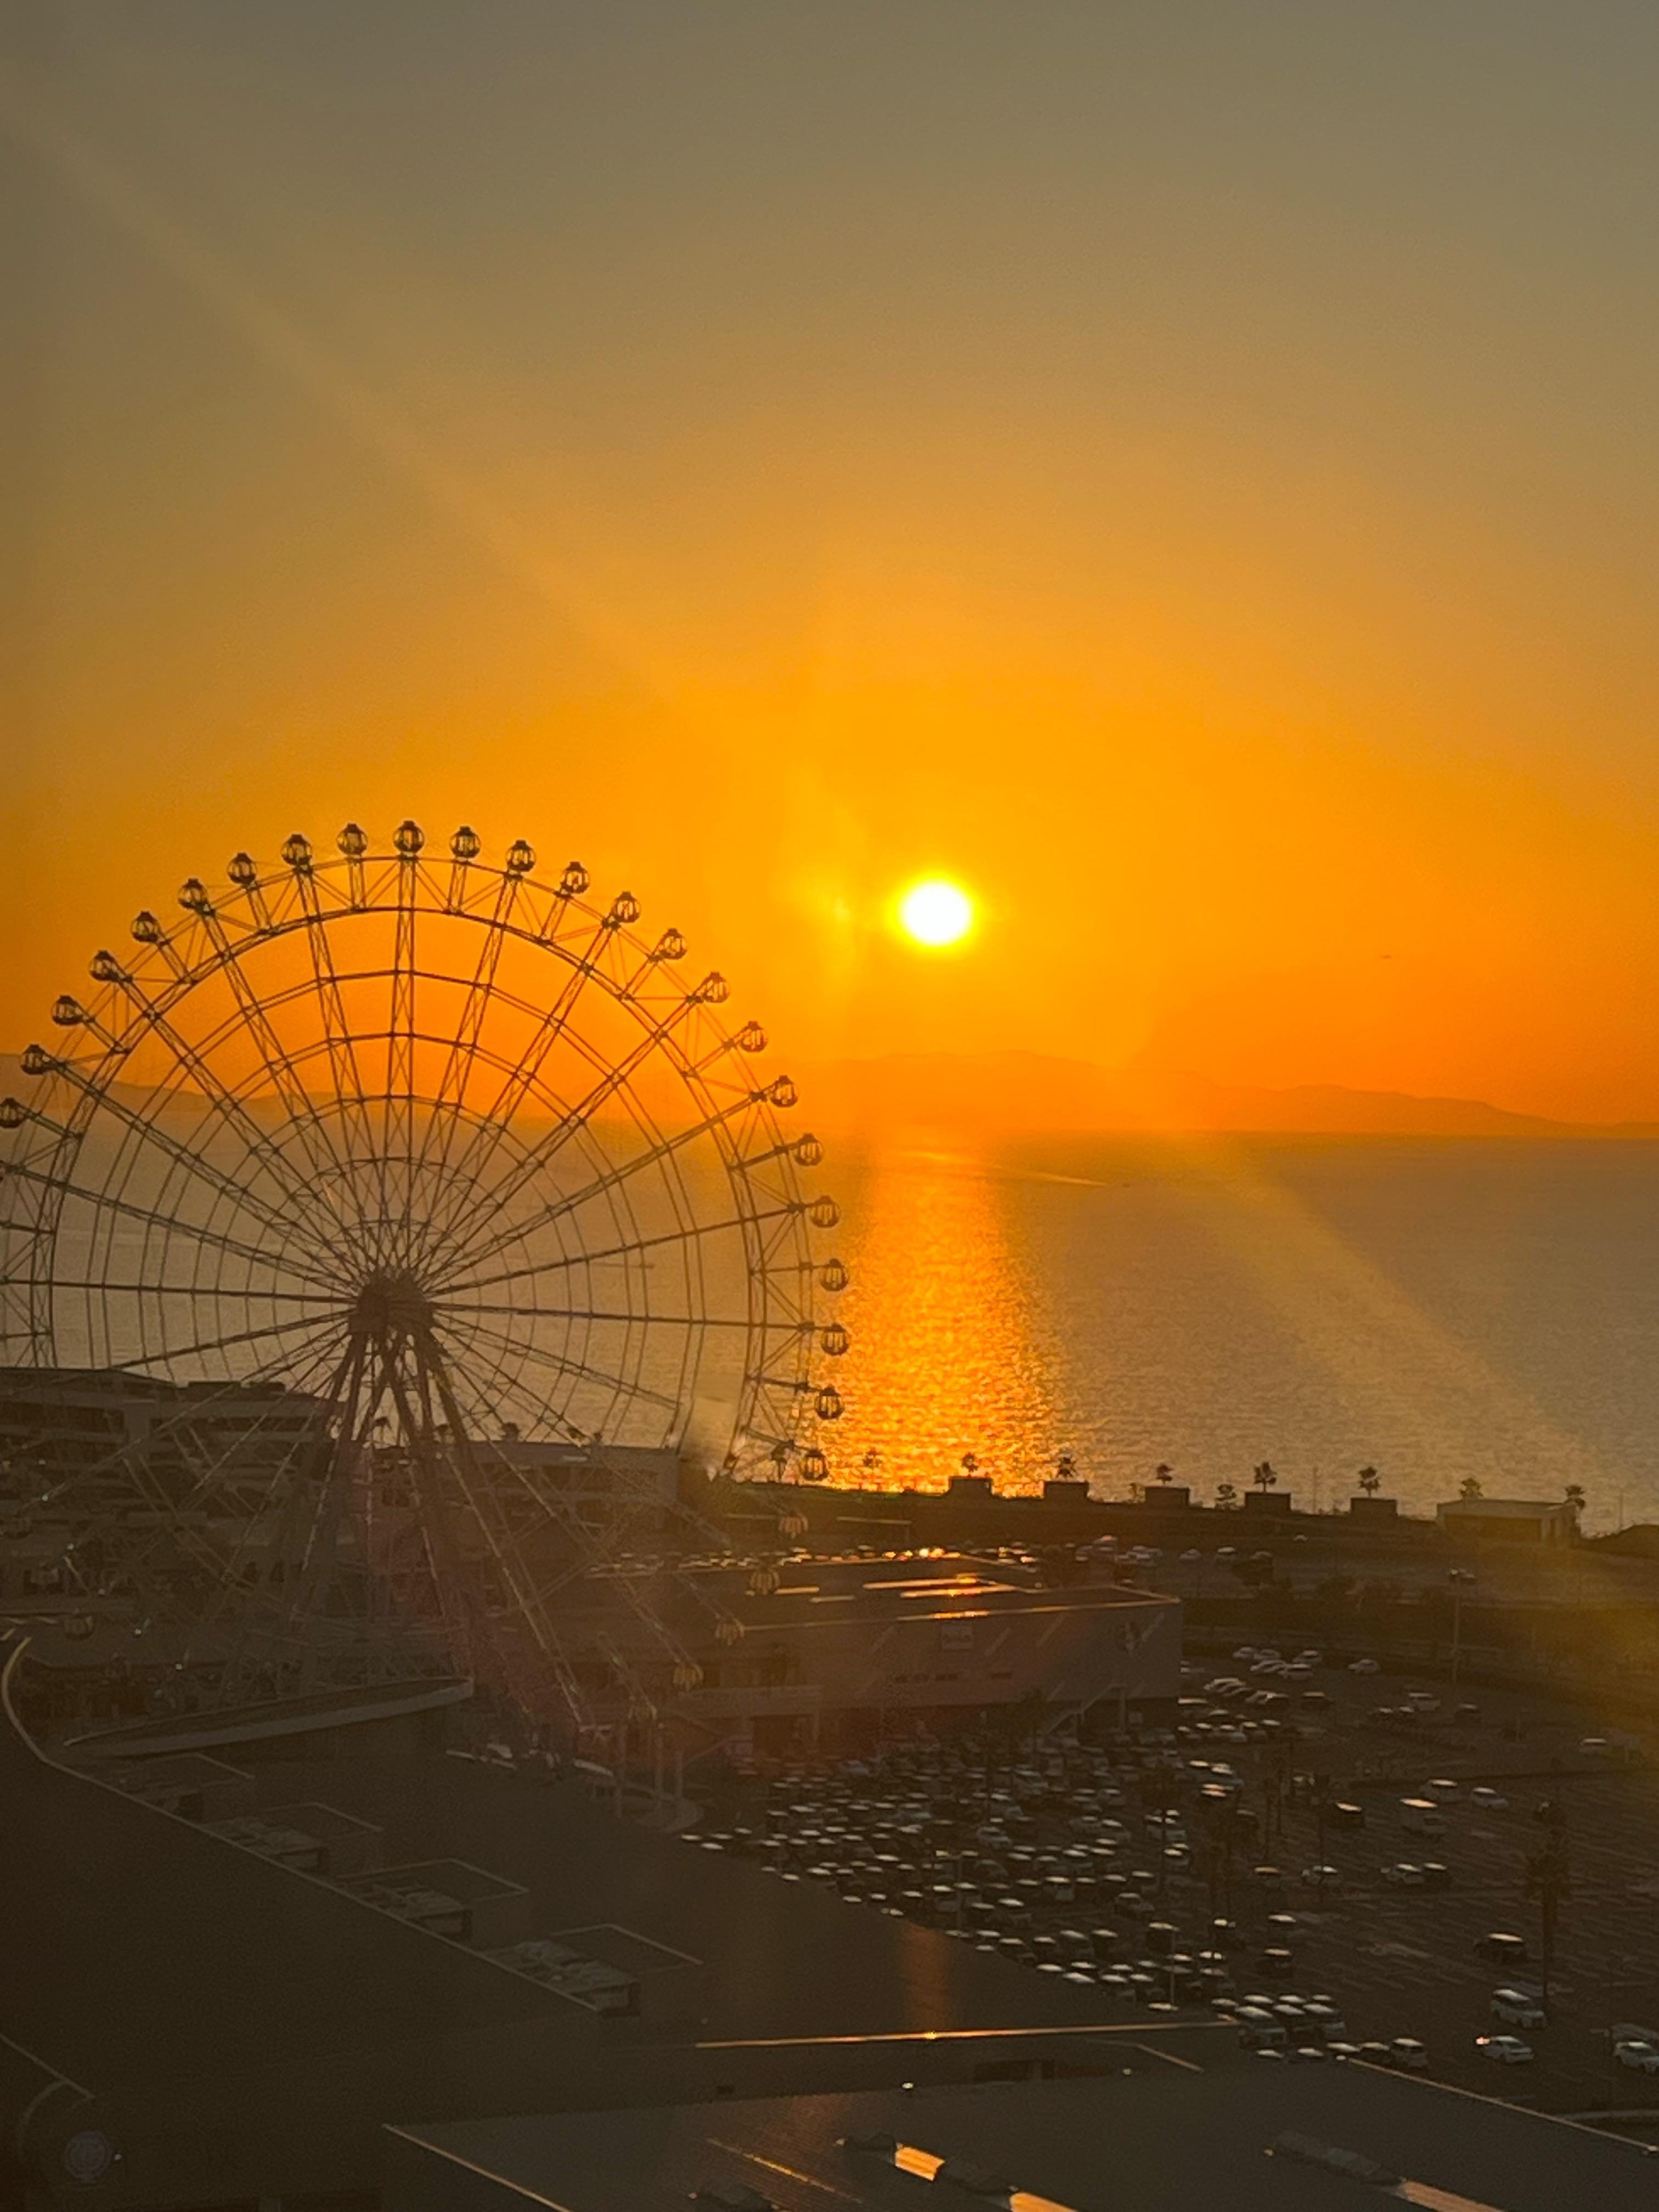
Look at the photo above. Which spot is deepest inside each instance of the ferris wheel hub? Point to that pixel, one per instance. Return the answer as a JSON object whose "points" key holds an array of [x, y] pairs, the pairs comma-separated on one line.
{"points": [[391, 1304]]}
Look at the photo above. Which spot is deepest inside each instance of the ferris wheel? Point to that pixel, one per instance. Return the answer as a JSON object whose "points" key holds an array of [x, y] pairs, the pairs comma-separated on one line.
{"points": [[368, 1241]]}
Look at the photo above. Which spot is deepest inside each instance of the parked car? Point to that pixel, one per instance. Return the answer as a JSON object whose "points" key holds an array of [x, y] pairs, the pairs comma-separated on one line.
{"points": [[1504, 2050], [1488, 1799], [1505, 1949], [1322, 1876], [1436, 1874], [1517, 2008], [1640, 2055], [1364, 1666], [1408, 2054], [1402, 1874], [1422, 1817]]}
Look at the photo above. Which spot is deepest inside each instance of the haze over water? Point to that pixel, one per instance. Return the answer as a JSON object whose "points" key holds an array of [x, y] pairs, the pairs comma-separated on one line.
{"points": [[1441, 1309]]}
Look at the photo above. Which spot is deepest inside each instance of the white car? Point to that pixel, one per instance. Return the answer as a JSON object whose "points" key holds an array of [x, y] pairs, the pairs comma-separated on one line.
{"points": [[1364, 1666], [1489, 1800], [1515, 2006], [1641, 2058], [1504, 2050], [1402, 1874], [1322, 1877], [1443, 1790]]}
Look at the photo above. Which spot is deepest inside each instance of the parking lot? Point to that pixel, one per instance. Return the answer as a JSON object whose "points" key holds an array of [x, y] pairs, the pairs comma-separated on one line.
{"points": [[1402, 1957], [1112, 1863]]}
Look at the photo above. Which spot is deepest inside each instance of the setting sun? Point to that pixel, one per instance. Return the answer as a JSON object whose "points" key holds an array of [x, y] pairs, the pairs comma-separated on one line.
{"points": [[936, 913]]}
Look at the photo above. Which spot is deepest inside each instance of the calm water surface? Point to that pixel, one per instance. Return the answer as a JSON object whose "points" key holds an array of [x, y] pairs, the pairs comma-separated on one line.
{"points": [[1441, 1309]]}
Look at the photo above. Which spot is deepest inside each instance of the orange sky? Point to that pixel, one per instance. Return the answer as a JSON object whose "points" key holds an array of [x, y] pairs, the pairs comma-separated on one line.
{"points": [[1186, 471]]}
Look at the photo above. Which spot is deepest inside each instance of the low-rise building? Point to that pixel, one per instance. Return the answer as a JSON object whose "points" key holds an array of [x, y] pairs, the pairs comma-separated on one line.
{"points": [[1510, 1520]]}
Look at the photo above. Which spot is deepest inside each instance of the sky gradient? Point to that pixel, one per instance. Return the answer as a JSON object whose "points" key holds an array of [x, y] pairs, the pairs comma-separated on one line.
{"points": [[1185, 471]]}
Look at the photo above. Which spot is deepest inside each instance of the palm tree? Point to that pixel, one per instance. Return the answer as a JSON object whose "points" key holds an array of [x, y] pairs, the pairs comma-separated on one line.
{"points": [[1164, 1473], [1264, 1476], [1469, 1488], [1369, 1481], [1225, 1497], [1575, 1495]]}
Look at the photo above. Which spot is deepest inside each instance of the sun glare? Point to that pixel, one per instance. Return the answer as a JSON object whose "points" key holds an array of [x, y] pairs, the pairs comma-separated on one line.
{"points": [[936, 913]]}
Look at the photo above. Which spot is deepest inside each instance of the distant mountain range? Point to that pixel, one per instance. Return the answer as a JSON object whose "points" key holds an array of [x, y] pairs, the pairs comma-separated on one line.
{"points": [[1030, 1094], [1034, 1094]]}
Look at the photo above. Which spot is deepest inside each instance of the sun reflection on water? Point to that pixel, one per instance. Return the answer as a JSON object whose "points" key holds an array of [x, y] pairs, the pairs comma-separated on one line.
{"points": [[943, 1360]]}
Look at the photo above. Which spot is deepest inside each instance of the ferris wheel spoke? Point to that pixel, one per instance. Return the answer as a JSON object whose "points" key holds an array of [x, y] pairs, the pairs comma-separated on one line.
{"points": [[128, 1209], [232, 1112], [454, 1311], [693, 1232], [456, 1078], [477, 1497], [191, 1164], [311, 1129], [400, 1041], [339, 1042], [173, 1532], [654, 1156], [244, 1294], [589, 1548], [516, 1348], [323, 1357], [203, 1346], [522, 1078], [580, 1117], [510, 1386]]}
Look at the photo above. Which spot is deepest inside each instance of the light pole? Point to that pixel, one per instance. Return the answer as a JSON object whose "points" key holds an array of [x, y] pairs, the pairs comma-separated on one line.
{"points": [[1549, 1880], [1458, 1625]]}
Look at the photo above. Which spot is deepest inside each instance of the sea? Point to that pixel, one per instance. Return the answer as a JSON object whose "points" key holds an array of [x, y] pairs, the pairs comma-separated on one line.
{"points": [[1440, 1310]]}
